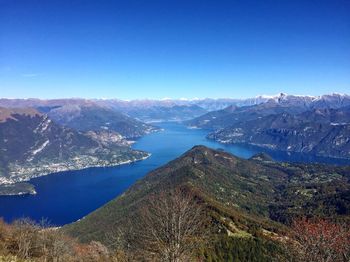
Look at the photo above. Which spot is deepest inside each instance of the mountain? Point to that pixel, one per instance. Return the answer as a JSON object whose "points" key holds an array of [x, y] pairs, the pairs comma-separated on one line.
{"points": [[281, 103], [124, 106], [96, 118], [37, 103], [145, 110], [315, 125], [331, 101], [244, 200], [161, 113], [312, 102], [84, 115], [324, 101], [33, 145], [152, 110], [168, 110], [234, 114], [208, 104], [322, 132]]}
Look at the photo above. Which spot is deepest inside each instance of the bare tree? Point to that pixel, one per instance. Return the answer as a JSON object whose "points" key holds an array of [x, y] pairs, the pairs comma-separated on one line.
{"points": [[24, 238], [172, 227], [54, 245], [4, 235], [27, 240], [92, 252], [319, 240]]}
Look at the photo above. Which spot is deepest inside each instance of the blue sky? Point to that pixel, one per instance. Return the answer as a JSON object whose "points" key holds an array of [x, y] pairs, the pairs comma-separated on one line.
{"points": [[153, 49]]}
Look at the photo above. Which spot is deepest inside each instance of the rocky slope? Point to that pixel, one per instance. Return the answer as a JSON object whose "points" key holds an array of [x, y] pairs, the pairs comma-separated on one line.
{"points": [[33, 145]]}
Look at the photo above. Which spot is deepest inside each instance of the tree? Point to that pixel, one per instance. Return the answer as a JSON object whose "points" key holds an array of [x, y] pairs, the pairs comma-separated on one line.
{"points": [[4, 235], [54, 245], [319, 240], [24, 238], [27, 240], [171, 227]]}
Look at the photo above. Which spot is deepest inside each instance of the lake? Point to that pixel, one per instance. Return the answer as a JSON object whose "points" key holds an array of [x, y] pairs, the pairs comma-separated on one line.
{"points": [[68, 196]]}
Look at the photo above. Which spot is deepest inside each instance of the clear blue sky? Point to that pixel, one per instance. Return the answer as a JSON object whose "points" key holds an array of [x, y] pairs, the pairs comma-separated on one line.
{"points": [[184, 48]]}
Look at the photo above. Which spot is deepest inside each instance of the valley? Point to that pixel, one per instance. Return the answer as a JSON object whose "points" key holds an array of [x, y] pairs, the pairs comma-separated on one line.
{"points": [[107, 166], [174, 131], [68, 196]]}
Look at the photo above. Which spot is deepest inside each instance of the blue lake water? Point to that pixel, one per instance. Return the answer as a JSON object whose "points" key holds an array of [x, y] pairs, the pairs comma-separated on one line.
{"points": [[68, 196]]}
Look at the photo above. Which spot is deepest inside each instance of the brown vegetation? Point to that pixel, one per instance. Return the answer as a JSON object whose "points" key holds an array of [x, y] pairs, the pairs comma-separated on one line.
{"points": [[172, 225], [169, 227], [25, 240], [319, 240]]}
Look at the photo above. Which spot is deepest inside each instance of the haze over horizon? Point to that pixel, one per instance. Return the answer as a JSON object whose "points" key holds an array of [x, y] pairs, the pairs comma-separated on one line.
{"points": [[176, 98], [156, 49]]}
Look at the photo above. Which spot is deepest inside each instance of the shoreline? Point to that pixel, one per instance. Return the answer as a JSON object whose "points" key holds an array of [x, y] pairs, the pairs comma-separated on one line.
{"points": [[326, 160], [32, 191]]}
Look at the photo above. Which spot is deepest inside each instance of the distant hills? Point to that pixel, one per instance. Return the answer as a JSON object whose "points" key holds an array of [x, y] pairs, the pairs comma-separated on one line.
{"points": [[148, 110], [33, 145], [274, 105], [96, 118], [315, 125], [143, 110], [245, 200], [322, 132], [84, 115], [43, 136], [162, 113]]}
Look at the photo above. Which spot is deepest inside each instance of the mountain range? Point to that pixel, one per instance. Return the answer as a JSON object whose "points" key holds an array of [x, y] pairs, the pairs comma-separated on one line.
{"points": [[322, 132], [143, 110], [273, 105], [317, 126], [43, 136], [167, 109], [97, 118]]}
